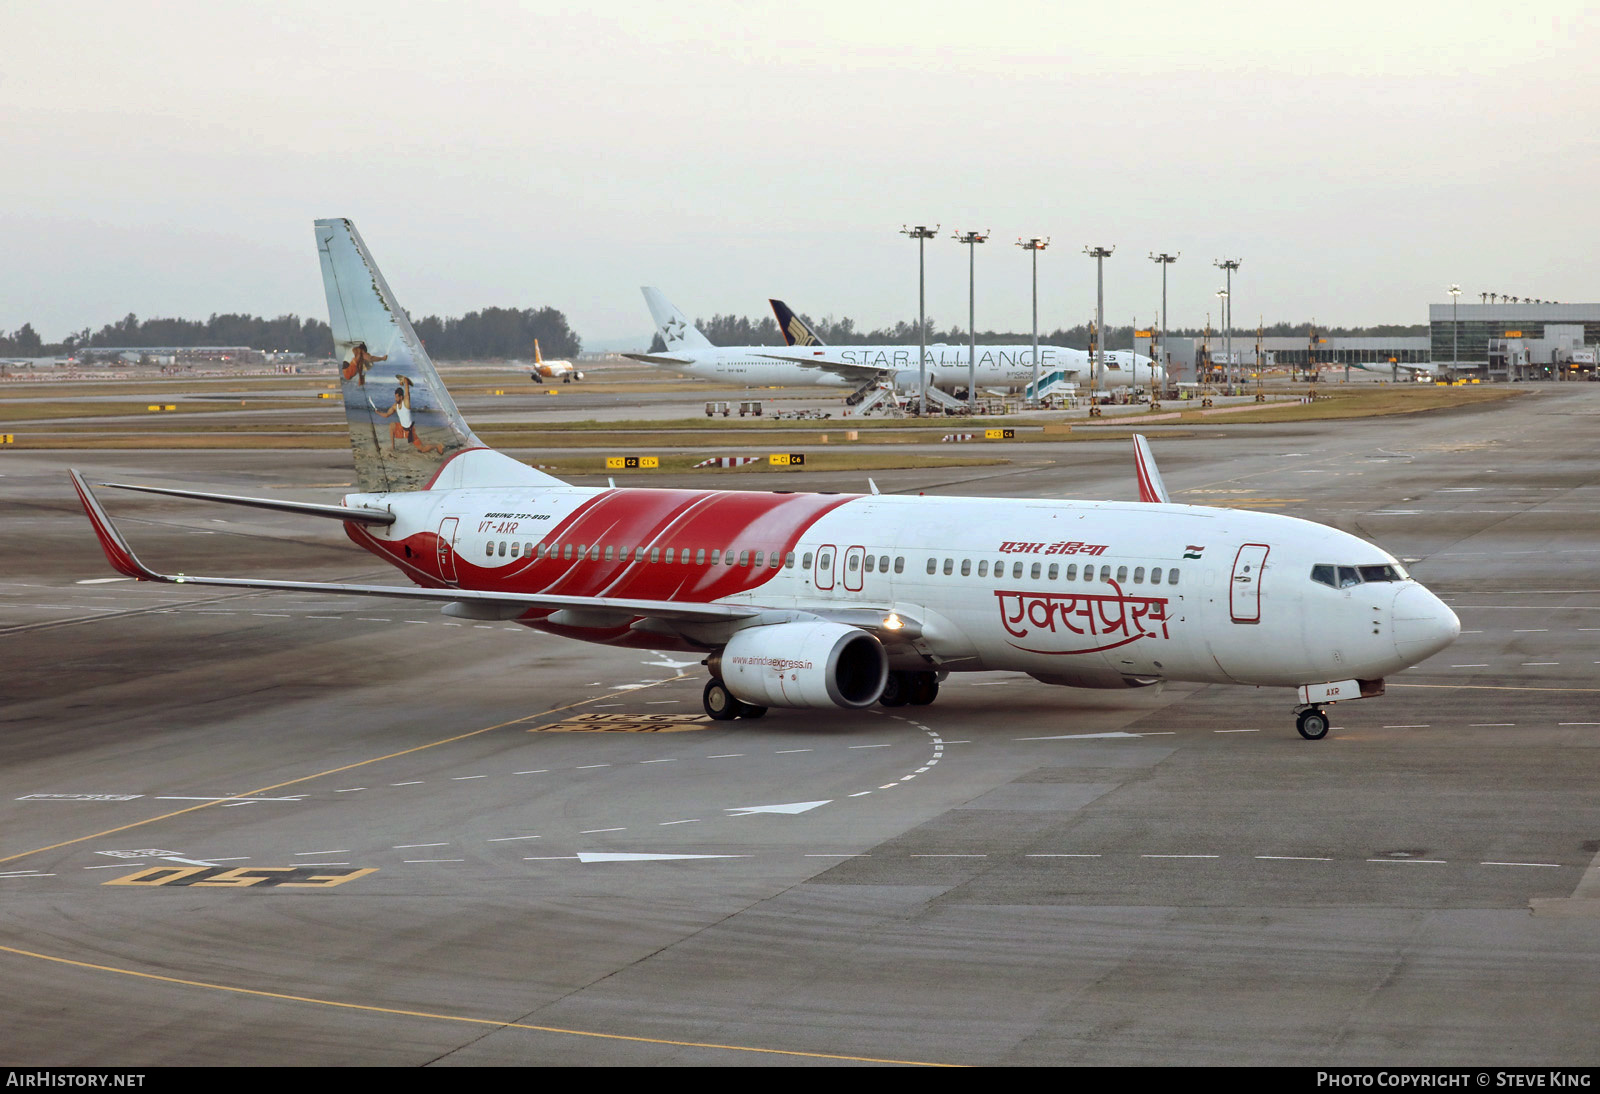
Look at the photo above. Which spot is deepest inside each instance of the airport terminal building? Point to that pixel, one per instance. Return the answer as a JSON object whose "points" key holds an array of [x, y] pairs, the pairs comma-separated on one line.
{"points": [[1516, 341]]}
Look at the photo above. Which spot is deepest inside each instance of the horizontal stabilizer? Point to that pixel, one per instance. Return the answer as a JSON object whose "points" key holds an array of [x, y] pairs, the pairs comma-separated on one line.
{"points": [[657, 359], [357, 514]]}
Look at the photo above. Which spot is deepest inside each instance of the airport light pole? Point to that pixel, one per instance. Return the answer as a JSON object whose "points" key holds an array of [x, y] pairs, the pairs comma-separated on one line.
{"points": [[1099, 254], [972, 239], [1455, 331], [1035, 245], [1165, 260], [1229, 265], [1227, 354], [921, 234]]}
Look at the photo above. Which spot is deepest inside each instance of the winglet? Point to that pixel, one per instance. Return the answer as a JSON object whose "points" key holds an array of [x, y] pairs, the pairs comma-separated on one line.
{"points": [[1151, 488], [117, 551]]}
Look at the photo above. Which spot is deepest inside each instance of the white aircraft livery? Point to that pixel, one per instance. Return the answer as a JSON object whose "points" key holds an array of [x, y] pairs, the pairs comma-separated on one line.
{"points": [[805, 360], [827, 601]]}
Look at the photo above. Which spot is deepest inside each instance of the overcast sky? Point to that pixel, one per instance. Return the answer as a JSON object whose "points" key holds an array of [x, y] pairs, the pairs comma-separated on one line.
{"points": [[168, 159]]}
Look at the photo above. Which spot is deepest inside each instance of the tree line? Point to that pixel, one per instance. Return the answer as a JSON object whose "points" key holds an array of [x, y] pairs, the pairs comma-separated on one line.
{"points": [[478, 335], [731, 330]]}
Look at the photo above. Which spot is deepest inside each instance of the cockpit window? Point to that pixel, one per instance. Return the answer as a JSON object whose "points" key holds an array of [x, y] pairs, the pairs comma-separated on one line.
{"points": [[1345, 577]]}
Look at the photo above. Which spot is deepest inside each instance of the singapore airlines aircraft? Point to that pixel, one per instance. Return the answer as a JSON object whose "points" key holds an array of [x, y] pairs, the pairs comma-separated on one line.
{"points": [[805, 360], [553, 370], [824, 601], [1008, 367]]}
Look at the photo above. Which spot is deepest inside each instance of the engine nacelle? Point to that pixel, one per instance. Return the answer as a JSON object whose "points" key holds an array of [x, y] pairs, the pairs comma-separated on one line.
{"points": [[817, 664]]}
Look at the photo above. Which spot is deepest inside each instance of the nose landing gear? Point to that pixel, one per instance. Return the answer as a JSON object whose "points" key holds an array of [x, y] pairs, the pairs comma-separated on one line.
{"points": [[1312, 723]]}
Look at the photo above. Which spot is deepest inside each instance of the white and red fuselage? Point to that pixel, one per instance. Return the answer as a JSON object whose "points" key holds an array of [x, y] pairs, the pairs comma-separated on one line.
{"points": [[1086, 593]]}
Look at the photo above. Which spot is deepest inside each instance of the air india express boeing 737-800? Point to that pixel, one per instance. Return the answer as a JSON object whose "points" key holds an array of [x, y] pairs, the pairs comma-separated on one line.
{"points": [[818, 601]]}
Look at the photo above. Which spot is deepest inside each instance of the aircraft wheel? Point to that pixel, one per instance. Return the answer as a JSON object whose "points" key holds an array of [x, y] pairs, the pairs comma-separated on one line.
{"points": [[719, 701], [895, 691], [1312, 724], [748, 711], [924, 689]]}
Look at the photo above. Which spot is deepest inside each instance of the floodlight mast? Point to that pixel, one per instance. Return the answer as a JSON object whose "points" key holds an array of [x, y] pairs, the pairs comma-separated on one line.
{"points": [[972, 239], [1099, 254], [1165, 260], [1228, 264], [921, 234], [1035, 245], [1455, 332]]}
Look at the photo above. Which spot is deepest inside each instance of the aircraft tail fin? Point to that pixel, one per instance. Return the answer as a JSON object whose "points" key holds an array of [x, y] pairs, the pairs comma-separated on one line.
{"points": [[795, 330], [1151, 488], [404, 426], [538, 358], [673, 326]]}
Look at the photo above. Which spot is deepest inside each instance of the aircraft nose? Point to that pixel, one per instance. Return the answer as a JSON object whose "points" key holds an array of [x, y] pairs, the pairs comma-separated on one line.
{"points": [[1423, 624]]}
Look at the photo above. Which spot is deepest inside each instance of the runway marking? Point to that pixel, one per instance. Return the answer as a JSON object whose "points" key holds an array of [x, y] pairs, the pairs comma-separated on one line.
{"points": [[628, 856], [1180, 856], [597, 831], [1294, 858], [627, 723], [1490, 725], [789, 808], [664, 824], [1429, 861], [1556, 864], [505, 839], [417, 846]]}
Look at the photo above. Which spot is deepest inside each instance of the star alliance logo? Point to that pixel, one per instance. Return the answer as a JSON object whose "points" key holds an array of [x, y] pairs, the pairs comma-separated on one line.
{"points": [[673, 329]]}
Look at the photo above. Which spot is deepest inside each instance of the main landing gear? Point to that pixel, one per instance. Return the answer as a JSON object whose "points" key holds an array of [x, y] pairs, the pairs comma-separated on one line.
{"points": [[1312, 723], [916, 688], [723, 707]]}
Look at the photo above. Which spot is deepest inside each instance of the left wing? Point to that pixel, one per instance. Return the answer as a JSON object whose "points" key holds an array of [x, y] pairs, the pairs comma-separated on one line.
{"points": [[125, 562], [845, 369]]}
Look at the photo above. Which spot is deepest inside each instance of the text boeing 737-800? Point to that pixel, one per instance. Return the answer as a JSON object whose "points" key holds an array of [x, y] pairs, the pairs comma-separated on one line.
{"points": [[828, 600]]}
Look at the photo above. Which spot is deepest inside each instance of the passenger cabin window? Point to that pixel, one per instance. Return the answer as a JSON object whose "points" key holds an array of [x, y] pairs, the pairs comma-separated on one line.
{"points": [[1155, 575], [933, 565], [883, 563], [871, 562], [983, 567], [1053, 572], [899, 564], [1172, 576], [1122, 574], [949, 566], [490, 552], [966, 567]]}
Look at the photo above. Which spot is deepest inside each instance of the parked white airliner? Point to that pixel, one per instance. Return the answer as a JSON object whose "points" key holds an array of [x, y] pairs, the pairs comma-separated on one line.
{"points": [[829, 600], [805, 360]]}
